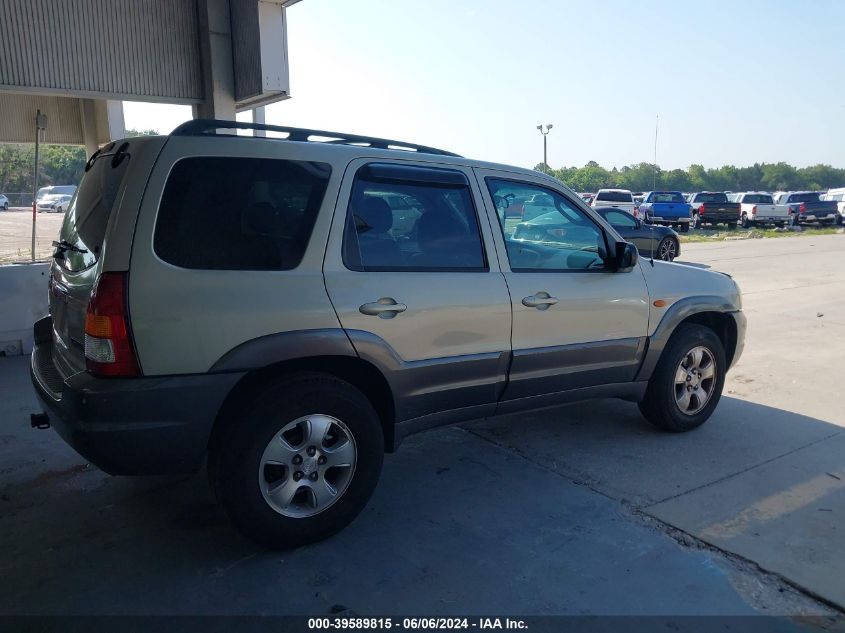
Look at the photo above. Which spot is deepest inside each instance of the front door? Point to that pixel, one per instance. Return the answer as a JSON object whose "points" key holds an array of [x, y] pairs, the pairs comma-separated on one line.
{"points": [[576, 324], [412, 273]]}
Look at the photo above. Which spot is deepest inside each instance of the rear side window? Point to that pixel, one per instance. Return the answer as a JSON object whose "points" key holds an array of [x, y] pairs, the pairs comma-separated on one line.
{"points": [[614, 196], [405, 218], [221, 213]]}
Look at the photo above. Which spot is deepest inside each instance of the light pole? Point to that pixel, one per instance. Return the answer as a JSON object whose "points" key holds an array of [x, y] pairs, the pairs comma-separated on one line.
{"points": [[544, 130]]}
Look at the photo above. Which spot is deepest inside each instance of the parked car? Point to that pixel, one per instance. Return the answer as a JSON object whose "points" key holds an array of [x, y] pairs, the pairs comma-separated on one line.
{"points": [[651, 240], [712, 207], [616, 198], [758, 207], [667, 208], [241, 302], [806, 206], [53, 190], [837, 196], [4, 202], [53, 203], [587, 197]]}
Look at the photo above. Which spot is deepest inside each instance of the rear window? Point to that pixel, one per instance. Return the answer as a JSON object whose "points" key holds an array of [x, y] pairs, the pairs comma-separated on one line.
{"points": [[667, 196], [804, 197], [711, 197], [220, 213], [758, 198], [614, 196], [84, 226]]}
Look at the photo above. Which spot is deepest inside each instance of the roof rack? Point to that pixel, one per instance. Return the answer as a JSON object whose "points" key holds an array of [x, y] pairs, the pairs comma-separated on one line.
{"points": [[201, 127]]}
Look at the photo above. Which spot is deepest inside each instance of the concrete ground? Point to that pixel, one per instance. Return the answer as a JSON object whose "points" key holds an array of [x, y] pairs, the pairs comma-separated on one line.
{"points": [[16, 234], [582, 509]]}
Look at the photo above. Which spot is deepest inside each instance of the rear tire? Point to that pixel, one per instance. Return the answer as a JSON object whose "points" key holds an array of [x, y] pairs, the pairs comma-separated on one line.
{"points": [[731, 226], [745, 223], [675, 382], [293, 443], [685, 227], [695, 221]]}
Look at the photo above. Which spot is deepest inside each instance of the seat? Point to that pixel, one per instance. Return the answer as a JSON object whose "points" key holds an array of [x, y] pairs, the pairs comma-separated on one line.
{"points": [[443, 243], [373, 221]]}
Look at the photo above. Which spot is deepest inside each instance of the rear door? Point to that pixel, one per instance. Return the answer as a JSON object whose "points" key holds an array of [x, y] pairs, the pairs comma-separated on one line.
{"points": [[576, 325], [426, 303], [76, 263]]}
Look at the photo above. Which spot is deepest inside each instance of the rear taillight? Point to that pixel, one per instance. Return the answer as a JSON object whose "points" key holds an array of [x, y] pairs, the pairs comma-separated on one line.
{"points": [[701, 210], [802, 208], [109, 350], [754, 210]]}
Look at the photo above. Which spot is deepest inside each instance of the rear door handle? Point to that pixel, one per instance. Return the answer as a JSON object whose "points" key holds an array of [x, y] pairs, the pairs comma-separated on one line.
{"points": [[541, 301], [385, 308]]}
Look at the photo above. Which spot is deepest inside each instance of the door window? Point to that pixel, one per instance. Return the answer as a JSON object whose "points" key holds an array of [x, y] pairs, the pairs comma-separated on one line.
{"points": [[404, 218], [621, 219], [560, 238]]}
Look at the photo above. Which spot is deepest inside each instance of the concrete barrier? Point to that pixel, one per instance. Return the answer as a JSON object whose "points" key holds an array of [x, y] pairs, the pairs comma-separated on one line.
{"points": [[23, 300]]}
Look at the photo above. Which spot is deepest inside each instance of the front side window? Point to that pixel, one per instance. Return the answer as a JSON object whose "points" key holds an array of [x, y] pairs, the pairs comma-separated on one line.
{"points": [[221, 213], [404, 218], [562, 238]]}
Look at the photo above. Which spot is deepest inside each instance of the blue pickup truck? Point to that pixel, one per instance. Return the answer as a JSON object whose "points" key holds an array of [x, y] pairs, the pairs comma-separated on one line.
{"points": [[666, 207]]}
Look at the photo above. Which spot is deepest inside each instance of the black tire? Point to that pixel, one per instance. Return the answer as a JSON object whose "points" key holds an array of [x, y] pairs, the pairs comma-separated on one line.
{"points": [[695, 221], [838, 218], [234, 460], [659, 405], [667, 256], [684, 227], [731, 226], [745, 222], [5, 206]]}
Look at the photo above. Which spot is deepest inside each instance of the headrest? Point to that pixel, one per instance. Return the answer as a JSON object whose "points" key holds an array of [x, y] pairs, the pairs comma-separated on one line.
{"points": [[376, 213]]}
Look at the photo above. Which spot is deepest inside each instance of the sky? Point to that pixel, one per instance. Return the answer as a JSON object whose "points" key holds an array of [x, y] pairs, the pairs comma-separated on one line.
{"points": [[733, 82]]}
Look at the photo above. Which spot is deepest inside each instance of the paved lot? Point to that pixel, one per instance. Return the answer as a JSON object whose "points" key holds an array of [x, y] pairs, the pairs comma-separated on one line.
{"points": [[16, 234], [579, 509]]}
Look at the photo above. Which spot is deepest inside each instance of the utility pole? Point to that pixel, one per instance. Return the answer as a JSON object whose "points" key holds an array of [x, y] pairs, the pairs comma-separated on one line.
{"points": [[656, 123], [40, 124], [545, 132]]}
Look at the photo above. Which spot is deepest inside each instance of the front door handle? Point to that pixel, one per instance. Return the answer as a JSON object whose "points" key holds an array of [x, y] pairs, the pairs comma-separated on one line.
{"points": [[541, 301], [385, 308]]}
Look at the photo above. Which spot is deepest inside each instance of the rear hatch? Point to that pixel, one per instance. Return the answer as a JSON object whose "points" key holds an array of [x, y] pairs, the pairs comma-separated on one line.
{"points": [[76, 260]]}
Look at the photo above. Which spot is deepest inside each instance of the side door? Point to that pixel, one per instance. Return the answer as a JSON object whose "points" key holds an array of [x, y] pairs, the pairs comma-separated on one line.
{"points": [[576, 324], [425, 302]]}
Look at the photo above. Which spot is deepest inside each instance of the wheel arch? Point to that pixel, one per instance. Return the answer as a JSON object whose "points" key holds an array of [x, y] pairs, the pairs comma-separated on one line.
{"points": [[714, 313]]}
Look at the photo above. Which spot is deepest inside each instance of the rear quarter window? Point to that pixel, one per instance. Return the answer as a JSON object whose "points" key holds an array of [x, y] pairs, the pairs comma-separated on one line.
{"points": [[222, 213]]}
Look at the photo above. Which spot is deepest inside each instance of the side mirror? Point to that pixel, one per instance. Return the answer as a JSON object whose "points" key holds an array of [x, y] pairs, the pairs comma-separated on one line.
{"points": [[626, 258]]}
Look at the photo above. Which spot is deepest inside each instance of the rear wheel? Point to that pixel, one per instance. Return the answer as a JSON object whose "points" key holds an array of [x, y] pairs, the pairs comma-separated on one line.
{"points": [[667, 250], [5, 206], [731, 226], [684, 227], [300, 462], [687, 383], [695, 221], [745, 223]]}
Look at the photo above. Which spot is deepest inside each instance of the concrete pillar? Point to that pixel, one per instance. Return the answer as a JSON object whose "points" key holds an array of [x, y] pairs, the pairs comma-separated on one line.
{"points": [[117, 124], [88, 110], [258, 116], [216, 55]]}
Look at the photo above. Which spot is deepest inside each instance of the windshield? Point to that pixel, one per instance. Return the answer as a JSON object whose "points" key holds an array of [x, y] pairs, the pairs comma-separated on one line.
{"points": [[667, 196], [614, 196], [84, 226], [804, 197], [711, 197]]}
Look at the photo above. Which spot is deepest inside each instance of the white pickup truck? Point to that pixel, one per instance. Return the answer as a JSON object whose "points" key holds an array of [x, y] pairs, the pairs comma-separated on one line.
{"points": [[758, 207], [616, 198]]}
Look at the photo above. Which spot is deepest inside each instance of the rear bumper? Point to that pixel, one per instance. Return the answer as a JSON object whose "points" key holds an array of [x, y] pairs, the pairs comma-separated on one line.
{"points": [[719, 218], [132, 426], [657, 219]]}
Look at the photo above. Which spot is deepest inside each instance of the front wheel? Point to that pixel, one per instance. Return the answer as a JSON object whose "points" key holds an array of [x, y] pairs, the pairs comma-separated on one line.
{"points": [[667, 250], [5, 206], [687, 383], [300, 461]]}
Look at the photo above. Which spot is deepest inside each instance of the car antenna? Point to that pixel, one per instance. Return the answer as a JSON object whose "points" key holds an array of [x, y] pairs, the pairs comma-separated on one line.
{"points": [[654, 185]]}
